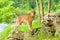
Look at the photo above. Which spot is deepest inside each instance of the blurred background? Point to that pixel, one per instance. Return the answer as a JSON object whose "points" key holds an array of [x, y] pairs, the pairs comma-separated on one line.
{"points": [[19, 7]]}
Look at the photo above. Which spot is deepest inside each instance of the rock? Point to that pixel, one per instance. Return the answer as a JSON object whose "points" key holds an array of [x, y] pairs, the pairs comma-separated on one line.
{"points": [[52, 22], [19, 35], [16, 35]]}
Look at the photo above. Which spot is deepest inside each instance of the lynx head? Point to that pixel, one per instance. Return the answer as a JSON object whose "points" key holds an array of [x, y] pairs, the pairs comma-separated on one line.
{"points": [[32, 13]]}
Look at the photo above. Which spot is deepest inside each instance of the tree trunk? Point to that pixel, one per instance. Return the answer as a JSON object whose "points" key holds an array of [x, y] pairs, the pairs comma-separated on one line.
{"points": [[42, 8], [39, 17], [49, 5]]}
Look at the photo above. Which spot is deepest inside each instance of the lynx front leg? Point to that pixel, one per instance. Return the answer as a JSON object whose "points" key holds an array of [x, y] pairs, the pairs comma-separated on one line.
{"points": [[30, 25], [18, 22], [15, 28]]}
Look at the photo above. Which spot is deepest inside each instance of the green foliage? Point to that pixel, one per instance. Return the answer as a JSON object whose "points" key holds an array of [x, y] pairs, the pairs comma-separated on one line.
{"points": [[7, 7], [5, 33], [23, 28], [41, 36], [6, 10]]}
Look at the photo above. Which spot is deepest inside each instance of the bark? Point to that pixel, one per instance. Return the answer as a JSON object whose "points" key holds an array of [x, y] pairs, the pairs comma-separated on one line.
{"points": [[38, 7], [49, 5], [42, 8]]}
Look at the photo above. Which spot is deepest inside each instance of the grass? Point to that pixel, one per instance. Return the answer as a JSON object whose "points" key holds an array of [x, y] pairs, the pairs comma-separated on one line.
{"points": [[24, 27], [5, 32]]}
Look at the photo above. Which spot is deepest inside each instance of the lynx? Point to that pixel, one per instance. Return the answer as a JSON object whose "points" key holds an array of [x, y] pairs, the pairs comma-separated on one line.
{"points": [[27, 17]]}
